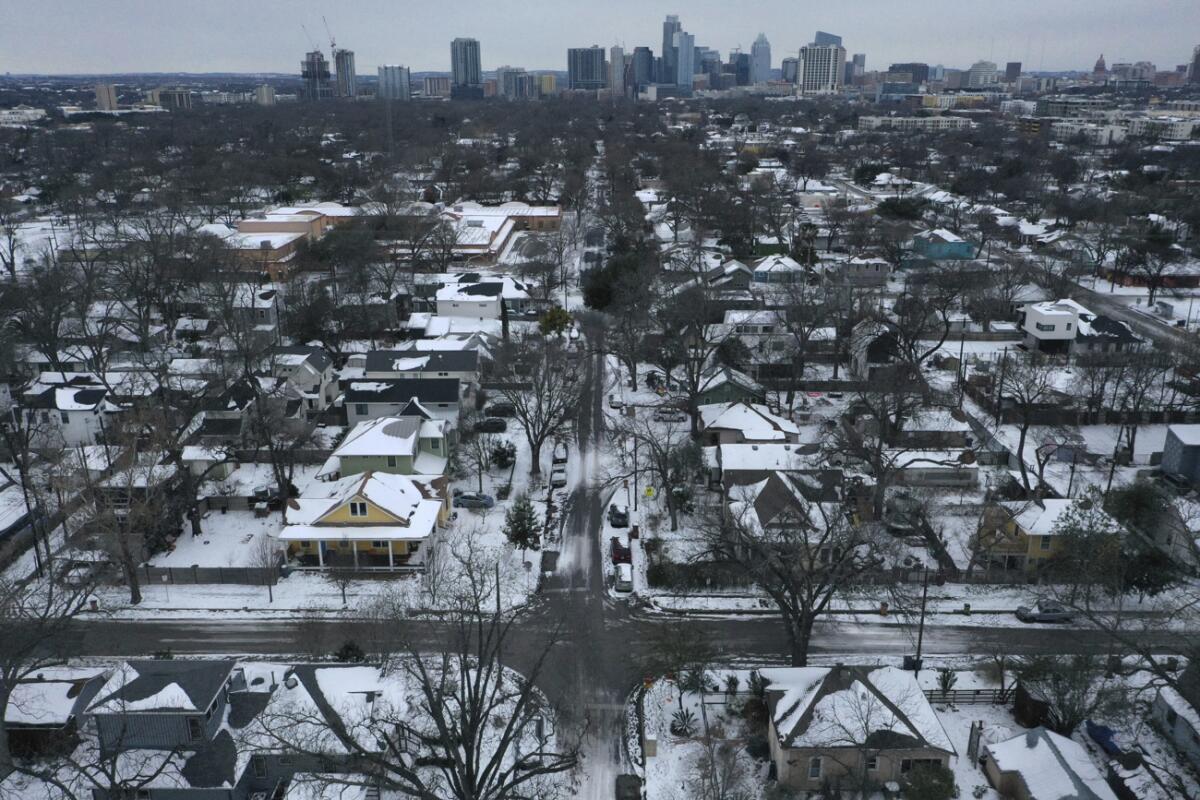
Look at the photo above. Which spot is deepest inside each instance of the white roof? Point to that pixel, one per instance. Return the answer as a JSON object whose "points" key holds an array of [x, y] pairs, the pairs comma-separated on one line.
{"points": [[753, 420], [1040, 520], [756, 457], [1186, 434], [1052, 767], [398, 495]]}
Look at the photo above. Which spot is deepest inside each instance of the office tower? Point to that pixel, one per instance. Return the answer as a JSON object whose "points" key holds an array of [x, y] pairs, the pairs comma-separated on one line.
{"points": [[741, 66], [821, 68], [1012, 71], [642, 68], [1194, 73], [760, 58], [790, 69], [1101, 69], [464, 63], [616, 69], [264, 95], [824, 39], [436, 86], [982, 73], [314, 71], [347, 80], [586, 69], [514, 83], [547, 84], [106, 97], [685, 59], [174, 98], [669, 69], [918, 71], [395, 82]]}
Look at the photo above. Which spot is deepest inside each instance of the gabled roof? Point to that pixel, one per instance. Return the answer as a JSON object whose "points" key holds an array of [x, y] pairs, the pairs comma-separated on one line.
{"points": [[407, 361], [755, 421], [162, 686], [384, 436], [427, 390], [843, 706], [316, 356], [1052, 767]]}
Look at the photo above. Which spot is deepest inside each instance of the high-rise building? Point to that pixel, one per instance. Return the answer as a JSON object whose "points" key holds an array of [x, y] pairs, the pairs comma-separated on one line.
{"points": [[395, 82], [918, 71], [685, 60], [436, 86], [616, 69], [347, 79], [1101, 69], [514, 83], [1194, 72], [106, 97], [174, 98], [642, 68], [821, 69], [824, 39], [548, 84], [760, 60], [741, 66], [586, 68], [981, 74], [790, 69], [264, 95], [314, 71], [1012, 71], [671, 26], [465, 66]]}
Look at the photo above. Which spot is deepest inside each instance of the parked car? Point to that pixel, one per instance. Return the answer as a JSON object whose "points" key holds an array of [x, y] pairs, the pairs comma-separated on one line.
{"points": [[1044, 611], [615, 402], [670, 415], [618, 516], [629, 787], [558, 477], [502, 409], [621, 554], [491, 425], [474, 500], [624, 578]]}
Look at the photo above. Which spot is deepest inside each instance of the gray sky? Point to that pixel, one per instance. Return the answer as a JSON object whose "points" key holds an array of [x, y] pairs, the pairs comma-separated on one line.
{"points": [[97, 36]]}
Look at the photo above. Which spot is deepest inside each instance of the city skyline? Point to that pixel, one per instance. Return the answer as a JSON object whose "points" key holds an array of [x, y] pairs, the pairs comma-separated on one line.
{"points": [[77, 38]]}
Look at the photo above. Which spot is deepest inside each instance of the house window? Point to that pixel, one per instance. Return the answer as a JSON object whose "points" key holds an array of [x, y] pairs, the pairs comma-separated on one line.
{"points": [[814, 767], [360, 409], [195, 729], [1068, 326], [379, 545], [65, 418], [1041, 326], [391, 461], [1045, 543], [907, 765], [303, 544], [358, 509], [259, 764], [872, 763], [414, 547]]}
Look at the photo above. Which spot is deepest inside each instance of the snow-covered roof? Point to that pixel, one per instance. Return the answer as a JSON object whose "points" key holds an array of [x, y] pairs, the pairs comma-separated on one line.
{"points": [[411, 507], [755, 421], [829, 707], [1051, 766], [1042, 520], [162, 686]]}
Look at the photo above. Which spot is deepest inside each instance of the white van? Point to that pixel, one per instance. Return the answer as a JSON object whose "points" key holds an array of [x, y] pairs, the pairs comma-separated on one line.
{"points": [[624, 578]]}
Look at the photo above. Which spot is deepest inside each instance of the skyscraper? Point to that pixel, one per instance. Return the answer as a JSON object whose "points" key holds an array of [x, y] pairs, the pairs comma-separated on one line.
{"points": [[347, 80], [314, 71], [760, 58], [821, 68], [464, 63], [642, 67], [1194, 72], [514, 83], [616, 69], [1012, 71], [395, 83], [824, 39], [917, 70], [586, 69], [982, 73], [685, 59], [671, 27], [106, 97], [790, 69], [741, 66]]}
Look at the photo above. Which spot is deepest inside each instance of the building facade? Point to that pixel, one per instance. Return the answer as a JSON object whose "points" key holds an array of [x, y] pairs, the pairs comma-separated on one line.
{"points": [[586, 68], [465, 66], [395, 82], [760, 60], [821, 68], [314, 71]]}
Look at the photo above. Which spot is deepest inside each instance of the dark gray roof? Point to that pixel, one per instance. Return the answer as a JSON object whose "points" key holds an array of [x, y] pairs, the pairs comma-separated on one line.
{"points": [[441, 361], [213, 765], [316, 356], [199, 680], [426, 390]]}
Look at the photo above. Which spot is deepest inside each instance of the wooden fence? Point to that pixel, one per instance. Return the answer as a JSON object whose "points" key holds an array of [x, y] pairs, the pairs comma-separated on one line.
{"points": [[960, 697]]}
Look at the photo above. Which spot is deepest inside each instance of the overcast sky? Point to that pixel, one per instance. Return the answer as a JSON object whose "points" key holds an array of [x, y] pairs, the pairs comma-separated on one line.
{"points": [[101, 36]]}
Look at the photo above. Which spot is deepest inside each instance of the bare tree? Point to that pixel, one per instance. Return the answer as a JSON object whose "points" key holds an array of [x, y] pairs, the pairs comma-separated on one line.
{"points": [[1074, 688], [543, 385], [1026, 385], [664, 455]]}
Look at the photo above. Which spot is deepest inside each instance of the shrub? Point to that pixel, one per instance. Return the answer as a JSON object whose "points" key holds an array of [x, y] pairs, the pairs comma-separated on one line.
{"points": [[758, 747], [504, 454], [683, 723], [350, 653]]}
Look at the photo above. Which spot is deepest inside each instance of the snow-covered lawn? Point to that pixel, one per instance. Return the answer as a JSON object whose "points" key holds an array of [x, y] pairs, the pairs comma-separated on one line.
{"points": [[231, 539]]}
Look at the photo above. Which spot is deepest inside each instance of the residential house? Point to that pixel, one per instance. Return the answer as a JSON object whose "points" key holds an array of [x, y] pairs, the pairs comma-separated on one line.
{"points": [[477, 296], [1042, 765], [309, 371], [732, 275], [856, 271], [44, 712], [64, 413], [778, 269], [743, 422], [1174, 712], [1181, 452], [162, 704], [727, 385], [405, 364], [371, 520], [1065, 326], [412, 445], [941, 245], [836, 725], [438, 397], [1024, 535]]}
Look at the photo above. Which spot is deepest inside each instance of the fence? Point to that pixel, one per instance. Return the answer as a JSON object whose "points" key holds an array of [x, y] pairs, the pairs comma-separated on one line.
{"points": [[251, 576], [960, 697]]}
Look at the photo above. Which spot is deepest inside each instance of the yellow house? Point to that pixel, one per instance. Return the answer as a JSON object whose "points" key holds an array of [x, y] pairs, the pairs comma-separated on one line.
{"points": [[1023, 535], [372, 520]]}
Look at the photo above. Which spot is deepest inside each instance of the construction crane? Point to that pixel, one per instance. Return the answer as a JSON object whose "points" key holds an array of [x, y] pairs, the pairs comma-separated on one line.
{"points": [[311, 41], [332, 42]]}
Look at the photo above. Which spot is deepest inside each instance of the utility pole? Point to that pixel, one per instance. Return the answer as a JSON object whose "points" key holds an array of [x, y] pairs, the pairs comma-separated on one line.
{"points": [[921, 623]]}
